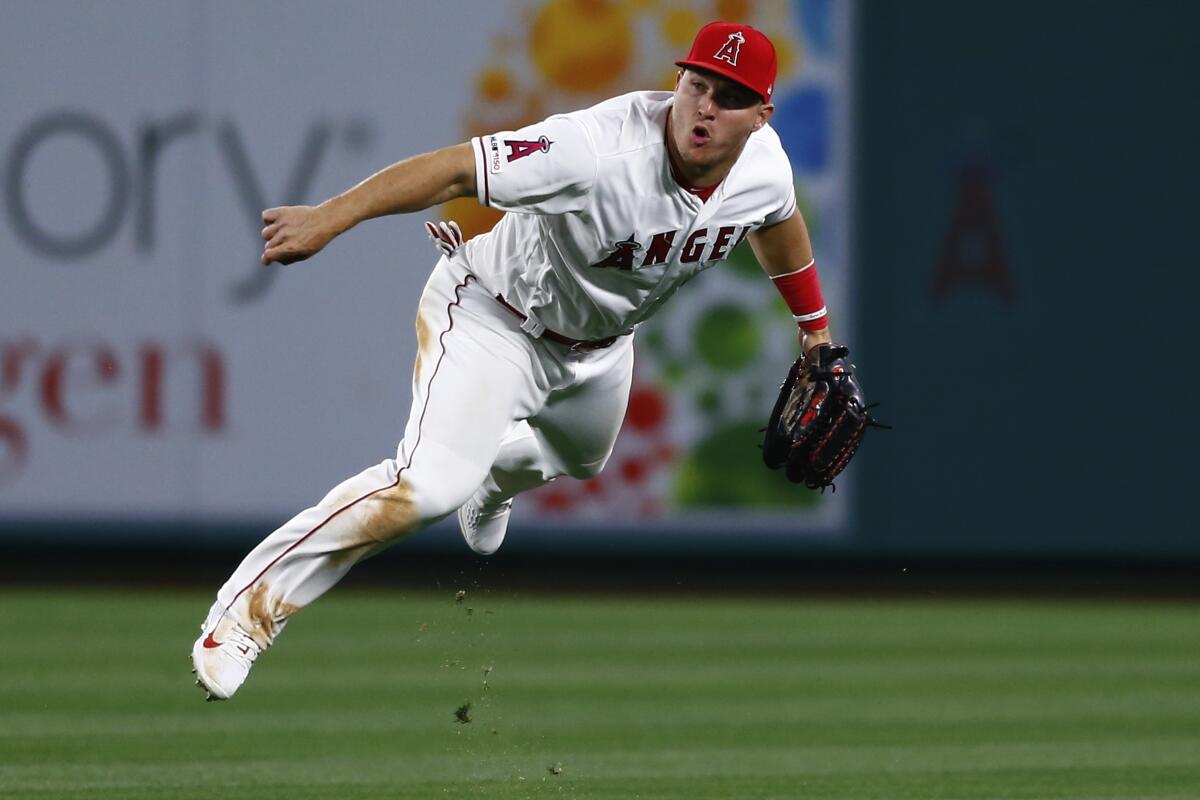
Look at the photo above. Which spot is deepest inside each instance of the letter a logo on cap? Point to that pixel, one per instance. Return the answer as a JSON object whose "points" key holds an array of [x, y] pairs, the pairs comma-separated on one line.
{"points": [[729, 51]]}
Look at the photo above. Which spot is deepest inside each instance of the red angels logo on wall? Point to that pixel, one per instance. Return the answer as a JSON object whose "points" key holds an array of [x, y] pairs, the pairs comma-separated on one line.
{"points": [[730, 50], [518, 148]]}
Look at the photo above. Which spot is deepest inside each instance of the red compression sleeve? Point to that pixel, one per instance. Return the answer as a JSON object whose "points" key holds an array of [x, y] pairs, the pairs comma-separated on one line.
{"points": [[801, 290]]}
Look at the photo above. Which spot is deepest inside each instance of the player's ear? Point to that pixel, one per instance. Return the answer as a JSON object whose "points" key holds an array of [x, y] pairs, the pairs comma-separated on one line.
{"points": [[764, 115]]}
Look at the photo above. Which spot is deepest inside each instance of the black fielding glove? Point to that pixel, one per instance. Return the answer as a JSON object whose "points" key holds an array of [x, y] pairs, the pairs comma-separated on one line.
{"points": [[819, 419]]}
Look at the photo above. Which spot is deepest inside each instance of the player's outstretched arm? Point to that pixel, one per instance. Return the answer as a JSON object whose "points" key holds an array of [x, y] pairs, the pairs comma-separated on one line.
{"points": [[785, 253], [821, 412], [294, 233]]}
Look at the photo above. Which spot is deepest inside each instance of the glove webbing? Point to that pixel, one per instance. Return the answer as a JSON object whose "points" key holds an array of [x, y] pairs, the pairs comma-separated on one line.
{"points": [[830, 464], [847, 447]]}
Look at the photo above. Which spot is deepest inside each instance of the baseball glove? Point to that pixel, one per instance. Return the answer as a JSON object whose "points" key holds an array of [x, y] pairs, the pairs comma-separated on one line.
{"points": [[819, 419]]}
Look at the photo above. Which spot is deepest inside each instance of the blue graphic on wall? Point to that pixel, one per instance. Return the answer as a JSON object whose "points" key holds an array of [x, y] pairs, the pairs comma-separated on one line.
{"points": [[802, 119], [818, 26]]}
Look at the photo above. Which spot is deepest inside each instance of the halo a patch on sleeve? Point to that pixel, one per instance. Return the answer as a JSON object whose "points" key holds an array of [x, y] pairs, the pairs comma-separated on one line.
{"points": [[519, 148]]}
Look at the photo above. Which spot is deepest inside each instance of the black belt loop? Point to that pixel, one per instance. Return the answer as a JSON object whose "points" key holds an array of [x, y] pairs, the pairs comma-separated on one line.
{"points": [[579, 345]]}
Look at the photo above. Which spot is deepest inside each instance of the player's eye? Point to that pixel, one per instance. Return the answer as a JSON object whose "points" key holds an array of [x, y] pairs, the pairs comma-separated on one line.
{"points": [[734, 98]]}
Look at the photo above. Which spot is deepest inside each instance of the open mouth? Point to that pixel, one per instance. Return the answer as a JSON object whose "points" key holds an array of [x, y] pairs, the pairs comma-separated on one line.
{"points": [[700, 135]]}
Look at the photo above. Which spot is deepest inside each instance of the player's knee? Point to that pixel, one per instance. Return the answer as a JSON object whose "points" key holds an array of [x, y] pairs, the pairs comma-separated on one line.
{"points": [[587, 471], [437, 498], [441, 479]]}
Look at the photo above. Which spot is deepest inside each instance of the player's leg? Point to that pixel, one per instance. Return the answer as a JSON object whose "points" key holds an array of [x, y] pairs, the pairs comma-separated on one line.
{"points": [[471, 381], [520, 466], [573, 434], [577, 427], [575, 431]]}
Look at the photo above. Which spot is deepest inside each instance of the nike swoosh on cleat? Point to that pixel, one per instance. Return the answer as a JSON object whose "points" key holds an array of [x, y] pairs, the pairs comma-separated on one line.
{"points": [[210, 642]]}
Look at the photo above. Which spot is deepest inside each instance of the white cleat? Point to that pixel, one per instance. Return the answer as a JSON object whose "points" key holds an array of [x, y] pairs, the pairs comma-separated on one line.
{"points": [[223, 655], [484, 524]]}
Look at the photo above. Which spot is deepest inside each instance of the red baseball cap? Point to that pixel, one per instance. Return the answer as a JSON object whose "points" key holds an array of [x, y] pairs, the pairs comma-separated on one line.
{"points": [[738, 52]]}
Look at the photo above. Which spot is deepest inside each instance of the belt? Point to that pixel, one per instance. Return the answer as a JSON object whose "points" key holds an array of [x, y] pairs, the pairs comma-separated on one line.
{"points": [[579, 345]]}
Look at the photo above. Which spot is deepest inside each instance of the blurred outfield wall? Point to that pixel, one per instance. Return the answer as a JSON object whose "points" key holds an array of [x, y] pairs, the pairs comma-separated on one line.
{"points": [[1028, 275], [153, 372]]}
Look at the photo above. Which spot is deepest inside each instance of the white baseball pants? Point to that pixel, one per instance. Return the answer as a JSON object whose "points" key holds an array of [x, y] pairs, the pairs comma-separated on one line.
{"points": [[492, 406]]}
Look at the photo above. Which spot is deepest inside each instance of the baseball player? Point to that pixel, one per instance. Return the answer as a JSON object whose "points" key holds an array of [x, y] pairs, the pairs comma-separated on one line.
{"points": [[525, 333]]}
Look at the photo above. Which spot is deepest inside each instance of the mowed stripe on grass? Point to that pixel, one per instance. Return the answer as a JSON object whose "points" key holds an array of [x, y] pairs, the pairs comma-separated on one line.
{"points": [[606, 698]]}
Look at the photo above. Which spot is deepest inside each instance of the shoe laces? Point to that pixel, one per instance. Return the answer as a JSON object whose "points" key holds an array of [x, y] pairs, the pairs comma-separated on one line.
{"points": [[478, 512], [239, 646]]}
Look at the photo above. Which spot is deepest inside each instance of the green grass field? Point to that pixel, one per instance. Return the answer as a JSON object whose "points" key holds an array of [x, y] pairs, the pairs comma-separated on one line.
{"points": [[620, 698]]}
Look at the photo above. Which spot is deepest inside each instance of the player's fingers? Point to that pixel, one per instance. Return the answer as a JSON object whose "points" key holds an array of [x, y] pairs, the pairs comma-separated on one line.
{"points": [[458, 236], [442, 237], [431, 231], [270, 215], [281, 254], [452, 236], [286, 258], [269, 232]]}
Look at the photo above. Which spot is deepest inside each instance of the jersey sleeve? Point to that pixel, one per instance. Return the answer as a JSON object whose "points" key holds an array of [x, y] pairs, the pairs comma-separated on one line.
{"points": [[545, 168], [783, 184], [786, 209]]}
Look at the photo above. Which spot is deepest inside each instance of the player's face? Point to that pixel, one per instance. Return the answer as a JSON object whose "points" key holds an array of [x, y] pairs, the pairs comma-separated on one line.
{"points": [[711, 120]]}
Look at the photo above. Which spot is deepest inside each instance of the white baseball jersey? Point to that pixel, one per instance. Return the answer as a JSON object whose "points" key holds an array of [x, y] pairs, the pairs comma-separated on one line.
{"points": [[602, 232]]}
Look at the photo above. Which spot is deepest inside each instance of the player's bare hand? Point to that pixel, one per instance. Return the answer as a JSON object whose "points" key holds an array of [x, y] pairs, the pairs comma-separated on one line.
{"points": [[293, 233]]}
